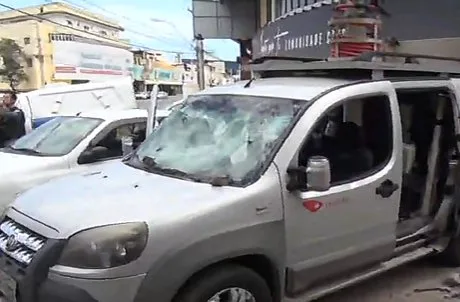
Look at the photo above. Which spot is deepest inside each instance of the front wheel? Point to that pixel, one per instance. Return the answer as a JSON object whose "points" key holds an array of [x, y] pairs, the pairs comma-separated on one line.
{"points": [[225, 284]]}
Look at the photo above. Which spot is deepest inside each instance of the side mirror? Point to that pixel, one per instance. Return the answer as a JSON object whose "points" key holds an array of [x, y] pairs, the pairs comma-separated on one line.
{"points": [[93, 154], [318, 173]]}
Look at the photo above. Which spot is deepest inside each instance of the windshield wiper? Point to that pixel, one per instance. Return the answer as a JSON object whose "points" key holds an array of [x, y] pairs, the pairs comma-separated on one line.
{"points": [[26, 150], [151, 166], [148, 164], [221, 181]]}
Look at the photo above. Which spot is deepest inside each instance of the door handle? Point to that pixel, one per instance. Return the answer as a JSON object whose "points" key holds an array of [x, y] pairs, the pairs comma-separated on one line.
{"points": [[386, 188]]}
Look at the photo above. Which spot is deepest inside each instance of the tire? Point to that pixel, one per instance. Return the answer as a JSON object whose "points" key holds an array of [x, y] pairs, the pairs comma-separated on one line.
{"points": [[207, 284]]}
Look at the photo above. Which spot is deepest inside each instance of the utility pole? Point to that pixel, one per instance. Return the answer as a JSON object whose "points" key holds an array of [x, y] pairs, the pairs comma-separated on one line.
{"points": [[200, 60], [40, 56], [152, 111], [178, 58]]}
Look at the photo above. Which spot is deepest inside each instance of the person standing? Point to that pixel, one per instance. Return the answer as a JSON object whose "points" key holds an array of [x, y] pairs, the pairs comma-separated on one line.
{"points": [[13, 124]]}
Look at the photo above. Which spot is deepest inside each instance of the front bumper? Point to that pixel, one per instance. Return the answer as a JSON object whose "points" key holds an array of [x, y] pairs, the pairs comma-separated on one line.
{"points": [[36, 283], [59, 288], [52, 291]]}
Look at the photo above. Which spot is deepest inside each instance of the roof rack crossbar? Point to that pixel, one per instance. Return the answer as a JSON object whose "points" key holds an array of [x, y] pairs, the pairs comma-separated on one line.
{"points": [[368, 65], [281, 58], [369, 56]]}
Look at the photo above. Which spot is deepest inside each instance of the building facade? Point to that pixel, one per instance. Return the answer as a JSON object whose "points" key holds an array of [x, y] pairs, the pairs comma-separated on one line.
{"points": [[216, 72], [152, 68], [66, 44], [38, 64], [299, 28]]}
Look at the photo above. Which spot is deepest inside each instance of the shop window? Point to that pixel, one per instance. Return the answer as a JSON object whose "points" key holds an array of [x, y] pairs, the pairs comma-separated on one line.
{"points": [[269, 10], [277, 7], [26, 40], [282, 7]]}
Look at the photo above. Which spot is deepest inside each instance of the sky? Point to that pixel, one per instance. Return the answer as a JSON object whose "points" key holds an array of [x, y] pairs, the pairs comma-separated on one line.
{"points": [[156, 24]]}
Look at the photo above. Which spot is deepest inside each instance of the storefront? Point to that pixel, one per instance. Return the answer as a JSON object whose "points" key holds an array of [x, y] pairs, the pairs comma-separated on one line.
{"points": [[168, 77], [301, 30]]}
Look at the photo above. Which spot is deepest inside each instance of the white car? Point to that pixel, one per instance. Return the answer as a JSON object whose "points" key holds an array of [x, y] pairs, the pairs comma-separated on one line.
{"points": [[67, 144]]}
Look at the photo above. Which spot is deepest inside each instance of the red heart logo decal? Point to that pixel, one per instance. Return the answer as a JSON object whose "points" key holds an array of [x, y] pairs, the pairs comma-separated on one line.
{"points": [[312, 205]]}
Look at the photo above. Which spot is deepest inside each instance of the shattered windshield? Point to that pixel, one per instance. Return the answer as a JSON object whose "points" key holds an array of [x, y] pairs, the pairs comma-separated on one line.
{"points": [[226, 136], [56, 137]]}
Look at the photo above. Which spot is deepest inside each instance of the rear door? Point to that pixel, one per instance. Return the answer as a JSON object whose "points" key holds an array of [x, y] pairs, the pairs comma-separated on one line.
{"points": [[455, 87], [353, 223]]}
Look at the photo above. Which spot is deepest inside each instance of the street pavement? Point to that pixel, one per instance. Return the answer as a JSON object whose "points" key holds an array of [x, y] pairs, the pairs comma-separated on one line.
{"points": [[420, 281]]}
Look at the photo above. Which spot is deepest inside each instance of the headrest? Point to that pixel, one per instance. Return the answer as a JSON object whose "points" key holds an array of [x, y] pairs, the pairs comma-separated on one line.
{"points": [[349, 134]]}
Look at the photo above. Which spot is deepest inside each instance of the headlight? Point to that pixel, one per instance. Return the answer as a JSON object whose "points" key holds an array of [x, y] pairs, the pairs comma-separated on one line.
{"points": [[105, 247]]}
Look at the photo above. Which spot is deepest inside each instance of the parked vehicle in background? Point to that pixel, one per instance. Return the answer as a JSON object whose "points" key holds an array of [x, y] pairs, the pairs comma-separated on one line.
{"points": [[283, 188], [142, 95], [68, 144], [41, 105]]}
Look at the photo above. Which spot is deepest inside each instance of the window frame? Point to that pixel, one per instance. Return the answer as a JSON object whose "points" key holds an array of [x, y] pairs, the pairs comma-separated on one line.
{"points": [[375, 169], [75, 146], [104, 132]]}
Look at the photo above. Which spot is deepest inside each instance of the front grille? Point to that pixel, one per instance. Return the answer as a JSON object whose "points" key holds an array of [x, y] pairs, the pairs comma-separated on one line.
{"points": [[18, 242]]}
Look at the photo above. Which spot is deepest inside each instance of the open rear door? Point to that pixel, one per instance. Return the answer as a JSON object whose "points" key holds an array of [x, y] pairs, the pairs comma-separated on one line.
{"points": [[456, 89]]}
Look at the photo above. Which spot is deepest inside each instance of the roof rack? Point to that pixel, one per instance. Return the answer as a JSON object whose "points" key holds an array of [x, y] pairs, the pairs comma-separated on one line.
{"points": [[373, 65]]}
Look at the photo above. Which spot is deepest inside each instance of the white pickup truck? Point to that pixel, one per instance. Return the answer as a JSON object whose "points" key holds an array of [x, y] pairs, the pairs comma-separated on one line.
{"points": [[68, 144], [311, 177]]}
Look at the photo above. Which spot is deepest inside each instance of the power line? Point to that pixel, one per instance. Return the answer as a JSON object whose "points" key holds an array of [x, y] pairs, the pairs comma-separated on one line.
{"points": [[160, 39], [83, 31], [90, 3], [190, 44]]}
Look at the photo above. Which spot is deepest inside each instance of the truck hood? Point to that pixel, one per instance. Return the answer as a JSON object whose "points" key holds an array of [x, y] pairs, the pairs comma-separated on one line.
{"points": [[18, 171], [116, 193], [16, 164]]}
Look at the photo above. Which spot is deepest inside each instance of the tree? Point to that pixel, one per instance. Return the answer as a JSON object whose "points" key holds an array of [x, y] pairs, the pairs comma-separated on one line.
{"points": [[11, 70]]}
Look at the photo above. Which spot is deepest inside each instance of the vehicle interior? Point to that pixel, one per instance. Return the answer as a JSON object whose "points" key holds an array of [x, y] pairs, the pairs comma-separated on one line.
{"points": [[112, 141], [430, 155], [357, 139], [353, 140]]}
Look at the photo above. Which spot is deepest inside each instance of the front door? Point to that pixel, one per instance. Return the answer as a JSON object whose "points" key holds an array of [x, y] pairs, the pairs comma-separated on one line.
{"points": [[352, 224], [111, 139]]}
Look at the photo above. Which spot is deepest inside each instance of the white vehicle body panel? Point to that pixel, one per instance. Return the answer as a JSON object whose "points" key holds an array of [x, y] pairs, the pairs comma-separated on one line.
{"points": [[20, 172], [72, 99]]}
